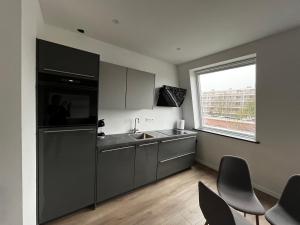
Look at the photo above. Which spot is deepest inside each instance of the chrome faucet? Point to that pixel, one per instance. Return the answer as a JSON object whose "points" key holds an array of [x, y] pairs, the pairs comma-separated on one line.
{"points": [[136, 120]]}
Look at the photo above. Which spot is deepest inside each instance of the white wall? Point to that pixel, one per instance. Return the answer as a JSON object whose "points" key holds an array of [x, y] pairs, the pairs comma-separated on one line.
{"points": [[32, 22], [10, 119], [19, 25], [278, 124], [119, 121]]}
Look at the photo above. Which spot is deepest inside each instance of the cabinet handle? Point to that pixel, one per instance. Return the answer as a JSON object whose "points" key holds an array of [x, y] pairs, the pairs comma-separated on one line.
{"points": [[152, 143], [71, 73], [116, 149], [179, 139], [75, 130], [176, 157]]}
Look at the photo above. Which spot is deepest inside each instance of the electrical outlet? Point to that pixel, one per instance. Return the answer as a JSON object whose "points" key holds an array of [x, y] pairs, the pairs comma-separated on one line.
{"points": [[149, 119]]}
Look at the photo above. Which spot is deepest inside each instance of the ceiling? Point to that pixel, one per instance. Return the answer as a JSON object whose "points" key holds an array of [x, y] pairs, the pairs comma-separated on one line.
{"points": [[157, 28]]}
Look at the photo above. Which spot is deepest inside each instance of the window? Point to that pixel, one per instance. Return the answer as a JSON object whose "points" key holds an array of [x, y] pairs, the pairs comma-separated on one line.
{"points": [[227, 95]]}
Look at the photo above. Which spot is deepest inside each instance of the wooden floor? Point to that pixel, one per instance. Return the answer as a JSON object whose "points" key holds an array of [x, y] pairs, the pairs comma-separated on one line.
{"points": [[172, 201]]}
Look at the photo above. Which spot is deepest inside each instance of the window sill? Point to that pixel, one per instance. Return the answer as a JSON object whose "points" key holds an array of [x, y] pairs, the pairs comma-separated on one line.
{"points": [[225, 134]]}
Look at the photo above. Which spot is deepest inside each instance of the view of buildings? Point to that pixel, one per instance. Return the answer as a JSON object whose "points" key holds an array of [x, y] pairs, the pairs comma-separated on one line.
{"points": [[229, 109]]}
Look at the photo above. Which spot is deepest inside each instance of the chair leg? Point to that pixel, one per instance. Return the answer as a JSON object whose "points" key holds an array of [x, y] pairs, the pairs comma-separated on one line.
{"points": [[245, 214], [257, 220]]}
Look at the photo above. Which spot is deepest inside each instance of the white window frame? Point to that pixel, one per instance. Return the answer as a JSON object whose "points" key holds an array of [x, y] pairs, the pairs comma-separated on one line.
{"points": [[229, 64]]}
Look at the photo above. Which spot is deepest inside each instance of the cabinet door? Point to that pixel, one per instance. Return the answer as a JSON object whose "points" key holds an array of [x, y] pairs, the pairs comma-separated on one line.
{"points": [[176, 147], [140, 89], [145, 163], [115, 172], [66, 171], [62, 60], [112, 86]]}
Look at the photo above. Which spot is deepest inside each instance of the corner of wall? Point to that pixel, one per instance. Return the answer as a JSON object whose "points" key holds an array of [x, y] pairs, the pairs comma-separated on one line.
{"points": [[32, 23]]}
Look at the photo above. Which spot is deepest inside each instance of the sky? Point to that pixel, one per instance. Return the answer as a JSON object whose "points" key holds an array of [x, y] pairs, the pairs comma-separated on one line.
{"points": [[237, 78]]}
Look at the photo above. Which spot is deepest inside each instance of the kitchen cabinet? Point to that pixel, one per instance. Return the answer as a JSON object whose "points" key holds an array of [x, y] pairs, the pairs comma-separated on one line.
{"points": [[177, 146], [135, 164], [175, 155], [66, 171], [112, 89], [140, 89], [115, 172], [173, 165], [145, 163], [62, 60], [125, 88]]}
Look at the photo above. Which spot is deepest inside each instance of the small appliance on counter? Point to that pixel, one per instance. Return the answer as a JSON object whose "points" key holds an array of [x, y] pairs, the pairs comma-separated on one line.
{"points": [[101, 124], [180, 124]]}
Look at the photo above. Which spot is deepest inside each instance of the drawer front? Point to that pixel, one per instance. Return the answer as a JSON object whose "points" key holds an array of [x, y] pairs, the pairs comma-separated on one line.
{"points": [[175, 147], [173, 165]]}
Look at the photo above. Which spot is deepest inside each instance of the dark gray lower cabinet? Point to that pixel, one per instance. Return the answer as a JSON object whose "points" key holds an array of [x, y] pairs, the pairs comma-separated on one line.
{"points": [[115, 172], [124, 168], [145, 163], [66, 171], [175, 155], [176, 146], [170, 166]]}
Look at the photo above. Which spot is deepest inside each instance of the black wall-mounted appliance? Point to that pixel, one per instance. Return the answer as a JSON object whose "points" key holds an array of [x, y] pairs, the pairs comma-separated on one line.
{"points": [[64, 101], [171, 96]]}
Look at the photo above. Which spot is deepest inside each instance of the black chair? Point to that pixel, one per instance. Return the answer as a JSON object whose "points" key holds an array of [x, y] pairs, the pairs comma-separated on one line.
{"points": [[215, 209], [235, 187], [287, 210]]}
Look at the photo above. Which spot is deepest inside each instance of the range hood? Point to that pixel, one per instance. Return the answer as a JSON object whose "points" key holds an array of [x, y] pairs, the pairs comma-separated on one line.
{"points": [[171, 96]]}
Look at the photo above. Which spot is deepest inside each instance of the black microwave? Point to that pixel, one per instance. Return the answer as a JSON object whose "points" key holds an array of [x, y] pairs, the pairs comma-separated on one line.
{"points": [[64, 101]]}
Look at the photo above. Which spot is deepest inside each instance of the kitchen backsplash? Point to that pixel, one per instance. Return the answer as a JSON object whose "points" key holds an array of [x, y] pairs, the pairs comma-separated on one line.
{"points": [[122, 121]]}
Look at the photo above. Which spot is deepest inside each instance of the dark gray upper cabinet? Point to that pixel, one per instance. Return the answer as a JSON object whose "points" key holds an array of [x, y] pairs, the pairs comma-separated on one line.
{"points": [[115, 172], [140, 89], [62, 60], [66, 171], [145, 163], [112, 86]]}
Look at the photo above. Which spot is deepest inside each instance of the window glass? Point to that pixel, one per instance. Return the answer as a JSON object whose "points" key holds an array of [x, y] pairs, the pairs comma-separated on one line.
{"points": [[228, 100]]}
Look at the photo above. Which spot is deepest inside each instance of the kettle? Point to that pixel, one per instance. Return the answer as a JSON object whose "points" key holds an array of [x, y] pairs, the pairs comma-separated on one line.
{"points": [[101, 124]]}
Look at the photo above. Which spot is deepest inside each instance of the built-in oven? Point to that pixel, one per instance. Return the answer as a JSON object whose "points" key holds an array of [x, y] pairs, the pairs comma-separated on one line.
{"points": [[65, 101]]}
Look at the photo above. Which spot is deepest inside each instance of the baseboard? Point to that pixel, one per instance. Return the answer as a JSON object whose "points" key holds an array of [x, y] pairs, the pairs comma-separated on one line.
{"points": [[266, 190], [255, 185], [209, 165]]}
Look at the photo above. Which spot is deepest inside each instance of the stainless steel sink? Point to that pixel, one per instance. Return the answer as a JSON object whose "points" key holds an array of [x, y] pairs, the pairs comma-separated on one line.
{"points": [[141, 136]]}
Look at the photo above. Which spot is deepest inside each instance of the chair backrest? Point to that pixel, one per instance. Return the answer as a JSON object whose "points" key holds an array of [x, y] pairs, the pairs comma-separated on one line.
{"points": [[214, 208], [290, 198], [234, 173]]}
